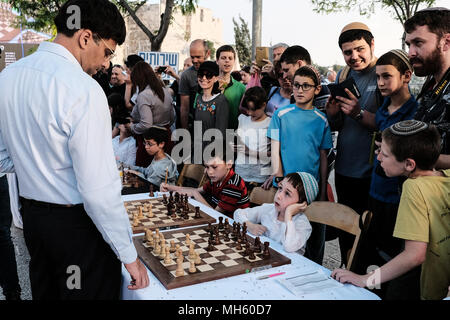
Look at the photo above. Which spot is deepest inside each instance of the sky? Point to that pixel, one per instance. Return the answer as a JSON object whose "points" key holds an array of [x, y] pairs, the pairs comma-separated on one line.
{"points": [[295, 23]]}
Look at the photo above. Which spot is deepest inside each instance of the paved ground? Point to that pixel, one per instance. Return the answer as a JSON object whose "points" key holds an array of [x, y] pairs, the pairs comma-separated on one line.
{"points": [[331, 260]]}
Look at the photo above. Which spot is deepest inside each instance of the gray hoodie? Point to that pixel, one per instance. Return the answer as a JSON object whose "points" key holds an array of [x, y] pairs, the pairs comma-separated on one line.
{"points": [[156, 171]]}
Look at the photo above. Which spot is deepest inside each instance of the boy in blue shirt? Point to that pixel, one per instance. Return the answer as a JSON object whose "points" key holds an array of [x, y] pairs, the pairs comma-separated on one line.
{"points": [[300, 139]]}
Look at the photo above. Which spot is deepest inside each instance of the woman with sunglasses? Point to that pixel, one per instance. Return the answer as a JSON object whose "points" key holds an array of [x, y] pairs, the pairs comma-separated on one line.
{"points": [[279, 96], [153, 107], [211, 106]]}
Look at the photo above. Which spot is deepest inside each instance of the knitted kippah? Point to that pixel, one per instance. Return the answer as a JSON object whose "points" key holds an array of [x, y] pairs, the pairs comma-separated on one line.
{"points": [[313, 69], [310, 185], [407, 127], [403, 56], [355, 26]]}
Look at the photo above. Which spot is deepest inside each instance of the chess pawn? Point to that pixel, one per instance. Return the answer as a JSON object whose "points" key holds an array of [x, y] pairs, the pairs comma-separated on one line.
{"points": [[251, 254], [226, 238], [191, 252], [188, 239], [150, 210], [151, 194], [168, 258], [192, 268], [197, 258], [220, 223], [180, 256], [238, 246], [162, 255], [157, 234], [172, 246], [157, 249], [135, 221], [141, 214], [164, 199], [197, 213], [180, 271], [266, 253], [148, 234]]}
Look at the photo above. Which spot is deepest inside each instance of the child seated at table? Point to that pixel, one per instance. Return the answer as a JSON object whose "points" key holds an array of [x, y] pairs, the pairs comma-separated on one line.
{"points": [[225, 191], [283, 220], [162, 165]]}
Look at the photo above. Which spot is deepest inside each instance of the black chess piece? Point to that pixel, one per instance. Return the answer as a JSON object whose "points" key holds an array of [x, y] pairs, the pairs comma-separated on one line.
{"points": [[210, 246], [238, 246], [257, 246], [151, 194], [209, 227], [217, 239], [164, 199], [197, 213], [220, 226], [266, 253], [251, 254], [226, 236]]}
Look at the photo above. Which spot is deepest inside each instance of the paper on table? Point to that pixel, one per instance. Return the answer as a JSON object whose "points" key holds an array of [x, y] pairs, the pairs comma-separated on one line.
{"points": [[309, 282]]}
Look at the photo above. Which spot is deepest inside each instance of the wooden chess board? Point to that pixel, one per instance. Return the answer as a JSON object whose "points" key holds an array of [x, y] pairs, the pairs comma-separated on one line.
{"points": [[161, 219], [224, 261]]}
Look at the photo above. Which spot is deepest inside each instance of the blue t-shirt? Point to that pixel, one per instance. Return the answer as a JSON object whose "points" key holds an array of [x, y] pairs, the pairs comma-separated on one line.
{"points": [[302, 134], [382, 188]]}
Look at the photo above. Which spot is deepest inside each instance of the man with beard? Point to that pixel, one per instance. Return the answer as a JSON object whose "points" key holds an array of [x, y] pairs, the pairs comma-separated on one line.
{"points": [[428, 39]]}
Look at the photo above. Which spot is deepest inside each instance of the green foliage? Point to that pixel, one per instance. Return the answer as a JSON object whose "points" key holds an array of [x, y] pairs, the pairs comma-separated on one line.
{"points": [[243, 41], [211, 47]]}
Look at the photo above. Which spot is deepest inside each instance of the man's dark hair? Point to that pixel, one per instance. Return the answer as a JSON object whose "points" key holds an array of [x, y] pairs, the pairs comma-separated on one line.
{"points": [[355, 34], [423, 147], [236, 75], [100, 16], [257, 95], [225, 48], [438, 21], [159, 134], [292, 54]]}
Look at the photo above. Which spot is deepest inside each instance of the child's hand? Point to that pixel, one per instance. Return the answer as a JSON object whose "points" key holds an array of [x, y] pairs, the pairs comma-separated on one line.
{"points": [[256, 229], [294, 209], [345, 276], [268, 183]]}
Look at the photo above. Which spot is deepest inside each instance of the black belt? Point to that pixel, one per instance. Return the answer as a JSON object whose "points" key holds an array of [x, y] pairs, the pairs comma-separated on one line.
{"points": [[42, 204]]}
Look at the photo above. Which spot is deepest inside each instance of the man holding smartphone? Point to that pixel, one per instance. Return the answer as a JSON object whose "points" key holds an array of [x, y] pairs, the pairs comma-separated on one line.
{"points": [[354, 119]]}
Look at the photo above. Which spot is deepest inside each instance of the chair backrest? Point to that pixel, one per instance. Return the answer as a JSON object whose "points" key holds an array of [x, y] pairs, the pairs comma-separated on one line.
{"points": [[258, 196], [195, 172], [344, 218]]}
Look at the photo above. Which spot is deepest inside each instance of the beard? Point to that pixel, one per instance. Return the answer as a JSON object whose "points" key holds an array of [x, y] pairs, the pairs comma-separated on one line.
{"points": [[429, 65]]}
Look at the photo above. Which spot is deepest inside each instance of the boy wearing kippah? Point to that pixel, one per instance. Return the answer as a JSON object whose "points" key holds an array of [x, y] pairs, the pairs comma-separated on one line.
{"points": [[411, 148]]}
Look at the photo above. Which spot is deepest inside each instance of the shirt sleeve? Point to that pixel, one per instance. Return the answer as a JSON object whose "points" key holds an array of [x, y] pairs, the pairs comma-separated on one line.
{"points": [[6, 164], [327, 142], [98, 181], [273, 131], [298, 231], [412, 216], [249, 214]]}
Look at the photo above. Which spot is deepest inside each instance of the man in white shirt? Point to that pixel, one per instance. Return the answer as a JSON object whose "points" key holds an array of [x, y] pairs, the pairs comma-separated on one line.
{"points": [[55, 133]]}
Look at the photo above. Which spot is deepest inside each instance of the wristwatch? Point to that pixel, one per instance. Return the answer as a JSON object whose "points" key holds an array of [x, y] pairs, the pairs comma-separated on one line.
{"points": [[359, 116]]}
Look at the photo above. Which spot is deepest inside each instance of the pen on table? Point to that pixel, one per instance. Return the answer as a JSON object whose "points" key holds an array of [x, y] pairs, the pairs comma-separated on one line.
{"points": [[270, 275]]}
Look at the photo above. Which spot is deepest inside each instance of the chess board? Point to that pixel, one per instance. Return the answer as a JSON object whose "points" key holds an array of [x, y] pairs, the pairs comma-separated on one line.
{"points": [[222, 262], [160, 219]]}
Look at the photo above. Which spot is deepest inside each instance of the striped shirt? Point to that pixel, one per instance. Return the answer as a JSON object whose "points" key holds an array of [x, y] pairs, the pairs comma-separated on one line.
{"points": [[229, 195]]}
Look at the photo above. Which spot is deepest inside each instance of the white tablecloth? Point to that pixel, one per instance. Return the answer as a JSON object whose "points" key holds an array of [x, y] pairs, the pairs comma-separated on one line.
{"points": [[245, 286]]}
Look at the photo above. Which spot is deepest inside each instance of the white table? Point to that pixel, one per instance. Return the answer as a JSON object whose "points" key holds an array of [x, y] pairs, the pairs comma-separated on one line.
{"points": [[245, 286]]}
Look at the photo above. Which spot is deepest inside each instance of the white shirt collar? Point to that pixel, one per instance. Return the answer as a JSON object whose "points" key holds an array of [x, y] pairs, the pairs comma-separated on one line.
{"points": [[60, 50]]}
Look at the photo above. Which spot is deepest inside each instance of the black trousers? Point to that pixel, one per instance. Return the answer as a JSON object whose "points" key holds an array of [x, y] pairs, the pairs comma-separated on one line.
{"points": [[9, 280], [69, 258], [352, 192]]}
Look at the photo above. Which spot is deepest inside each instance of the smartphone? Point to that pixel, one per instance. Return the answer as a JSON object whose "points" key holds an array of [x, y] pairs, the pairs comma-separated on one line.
{"points": [[161, 69], [261, 53], [337, 89]]}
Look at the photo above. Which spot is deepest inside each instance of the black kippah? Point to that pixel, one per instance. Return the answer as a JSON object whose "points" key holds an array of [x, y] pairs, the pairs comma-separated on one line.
{"points": [[407, 127]]}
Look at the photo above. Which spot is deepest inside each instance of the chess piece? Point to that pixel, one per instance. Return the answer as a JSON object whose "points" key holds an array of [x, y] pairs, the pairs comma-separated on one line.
{"points": [[226, 224], [162, 255], [170, 196], [150, 211], [238, 246], [197, 213], [188, 240], [192, 268], [257, 246], [247, 250], [164, 199], [210, 246], [209, 227], [172, 246], [168, 258], [244, 228], [141, 213], [226, 238], [191, 252], [266, 253], [157, 250], [220, 223], [135, 220], [180, 271], [157, 235], [217, 239], [251, 254], [197, 258], [151, 194]]}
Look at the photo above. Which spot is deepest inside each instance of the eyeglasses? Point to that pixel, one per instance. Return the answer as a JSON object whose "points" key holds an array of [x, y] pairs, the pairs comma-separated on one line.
{"points": [[304, 86], [148, 144], [208, 75], [112, 53]]}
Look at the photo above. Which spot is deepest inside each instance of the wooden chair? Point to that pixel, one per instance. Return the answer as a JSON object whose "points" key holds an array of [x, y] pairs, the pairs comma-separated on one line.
{"points": [[195, 172], [344, 218], [258, 196]]}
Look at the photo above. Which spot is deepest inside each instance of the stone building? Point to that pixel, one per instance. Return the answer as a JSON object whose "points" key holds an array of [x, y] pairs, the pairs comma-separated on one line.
{"points": [[183, 29]]}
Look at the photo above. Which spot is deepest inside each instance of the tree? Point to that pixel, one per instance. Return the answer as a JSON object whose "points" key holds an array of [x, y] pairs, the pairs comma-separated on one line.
{"points": [[402, 10], [43, 12], [243, 41]]}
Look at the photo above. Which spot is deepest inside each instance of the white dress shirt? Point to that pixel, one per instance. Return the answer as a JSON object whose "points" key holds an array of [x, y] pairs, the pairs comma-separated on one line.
{"points": [[56, 128], [125, 151], [293, 235]]}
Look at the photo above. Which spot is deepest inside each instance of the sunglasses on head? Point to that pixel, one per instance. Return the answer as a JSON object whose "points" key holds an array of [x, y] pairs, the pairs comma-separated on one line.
{"points": [[208, 75]]}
